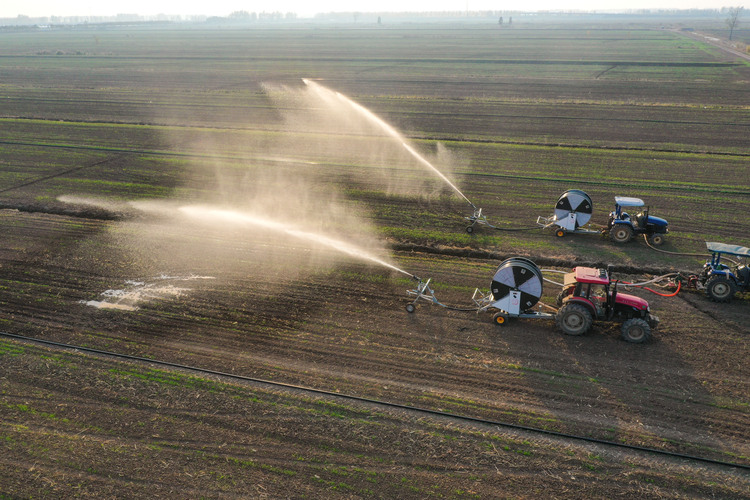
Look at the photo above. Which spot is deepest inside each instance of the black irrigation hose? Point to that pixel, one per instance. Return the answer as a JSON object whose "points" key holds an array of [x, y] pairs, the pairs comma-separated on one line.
{"points": [[460, 309], [379, 403], [517, 228], [645, 238]]}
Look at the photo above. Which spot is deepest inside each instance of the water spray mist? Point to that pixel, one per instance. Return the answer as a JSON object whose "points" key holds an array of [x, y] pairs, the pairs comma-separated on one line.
{"points": [[213, 215], [390, 131]]}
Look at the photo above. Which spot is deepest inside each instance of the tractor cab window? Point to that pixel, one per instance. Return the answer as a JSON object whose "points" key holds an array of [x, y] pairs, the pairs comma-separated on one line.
{"points": [[598, 297], [641, 219], [599, 292], [743, 273]]}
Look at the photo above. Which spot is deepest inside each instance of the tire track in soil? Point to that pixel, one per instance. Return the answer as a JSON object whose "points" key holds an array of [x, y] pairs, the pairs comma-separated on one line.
{"points": [[704, 305]]}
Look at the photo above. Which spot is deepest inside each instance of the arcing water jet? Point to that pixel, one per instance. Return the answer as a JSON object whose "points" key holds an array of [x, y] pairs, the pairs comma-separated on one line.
{"points": [[231, 216], [373, 118]]}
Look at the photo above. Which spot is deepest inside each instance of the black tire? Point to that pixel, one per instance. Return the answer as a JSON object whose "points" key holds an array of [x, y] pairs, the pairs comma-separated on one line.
{"points": [[636, 330], [469, 229], [500, 319], [560, 233], [563, 293], [720, 289], [410, 308], [621, 233], [656, 239], [574, 319]]}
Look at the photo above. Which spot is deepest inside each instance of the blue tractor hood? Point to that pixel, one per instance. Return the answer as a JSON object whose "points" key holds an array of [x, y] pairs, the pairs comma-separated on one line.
{"points": [[657, 221]]}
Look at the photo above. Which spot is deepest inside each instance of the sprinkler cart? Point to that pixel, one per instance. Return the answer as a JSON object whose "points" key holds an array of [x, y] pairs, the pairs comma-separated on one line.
{"points": [[588, 295], [720, 280], [477, 218], [572, 211], [621, 226]]}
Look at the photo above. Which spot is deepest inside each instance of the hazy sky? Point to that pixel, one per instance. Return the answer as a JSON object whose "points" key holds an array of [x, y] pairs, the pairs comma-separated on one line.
{"points": [[39, 8]]}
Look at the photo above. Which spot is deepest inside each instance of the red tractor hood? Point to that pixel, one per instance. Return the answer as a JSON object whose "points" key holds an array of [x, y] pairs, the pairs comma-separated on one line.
{"points": [[632, 301]]}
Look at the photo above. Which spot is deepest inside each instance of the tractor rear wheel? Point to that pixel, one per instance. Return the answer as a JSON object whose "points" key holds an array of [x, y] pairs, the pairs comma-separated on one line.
{"points": [[636, 330], [621, 233], [574, 319], [720, 289], [656, 239]]}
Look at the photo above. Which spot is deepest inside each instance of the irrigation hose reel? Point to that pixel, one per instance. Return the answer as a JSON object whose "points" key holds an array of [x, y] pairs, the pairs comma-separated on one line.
{"points": [[572, 211]]}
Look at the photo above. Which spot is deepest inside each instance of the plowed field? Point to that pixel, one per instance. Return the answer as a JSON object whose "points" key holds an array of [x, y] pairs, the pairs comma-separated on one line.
{"points": [[105, 133]]}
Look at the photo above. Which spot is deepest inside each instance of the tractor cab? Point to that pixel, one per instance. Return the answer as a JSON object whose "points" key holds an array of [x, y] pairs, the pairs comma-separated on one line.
{"points": [[622, 226], [720, 280], [594, 288]]}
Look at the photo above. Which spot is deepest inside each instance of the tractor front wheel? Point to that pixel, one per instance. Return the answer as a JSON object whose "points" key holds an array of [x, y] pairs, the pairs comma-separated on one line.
{"points": [[621, 233], [469, 229], [574, 319], [720, 289], [636, 330], [656, 239]]}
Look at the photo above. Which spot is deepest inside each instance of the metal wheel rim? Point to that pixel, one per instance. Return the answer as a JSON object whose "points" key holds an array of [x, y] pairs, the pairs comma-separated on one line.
{"points": [[636, 332], [620, 234], [720, 289], [573, 320]]}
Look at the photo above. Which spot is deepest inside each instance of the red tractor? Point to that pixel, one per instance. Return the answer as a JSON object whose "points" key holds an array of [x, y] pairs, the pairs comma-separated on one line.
{"points": [[589, 294]]}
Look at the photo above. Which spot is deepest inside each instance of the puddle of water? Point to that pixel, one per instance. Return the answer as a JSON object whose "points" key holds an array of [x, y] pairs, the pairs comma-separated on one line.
{"points": [[138, 292]]}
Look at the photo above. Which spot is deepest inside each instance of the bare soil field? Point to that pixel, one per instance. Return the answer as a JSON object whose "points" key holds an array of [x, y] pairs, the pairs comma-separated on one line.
{"points": [[110, 136]]}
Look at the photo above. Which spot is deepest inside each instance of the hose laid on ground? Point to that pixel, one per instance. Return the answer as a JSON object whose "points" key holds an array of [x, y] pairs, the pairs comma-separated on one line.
{"points": [[684, 254], [652, 247], [516, 228], [462, 309]]}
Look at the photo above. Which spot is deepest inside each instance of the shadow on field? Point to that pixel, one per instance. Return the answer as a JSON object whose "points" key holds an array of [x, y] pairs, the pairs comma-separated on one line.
{"points": [[684, 390]]}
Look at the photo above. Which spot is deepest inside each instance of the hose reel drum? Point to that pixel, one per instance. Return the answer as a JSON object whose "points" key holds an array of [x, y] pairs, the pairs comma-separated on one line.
{"points": [[516, 286], [573, 210]]}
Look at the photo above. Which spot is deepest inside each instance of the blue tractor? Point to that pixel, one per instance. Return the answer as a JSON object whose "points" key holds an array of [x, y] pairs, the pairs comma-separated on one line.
{"points": [[721, 281], [622, 226]]}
